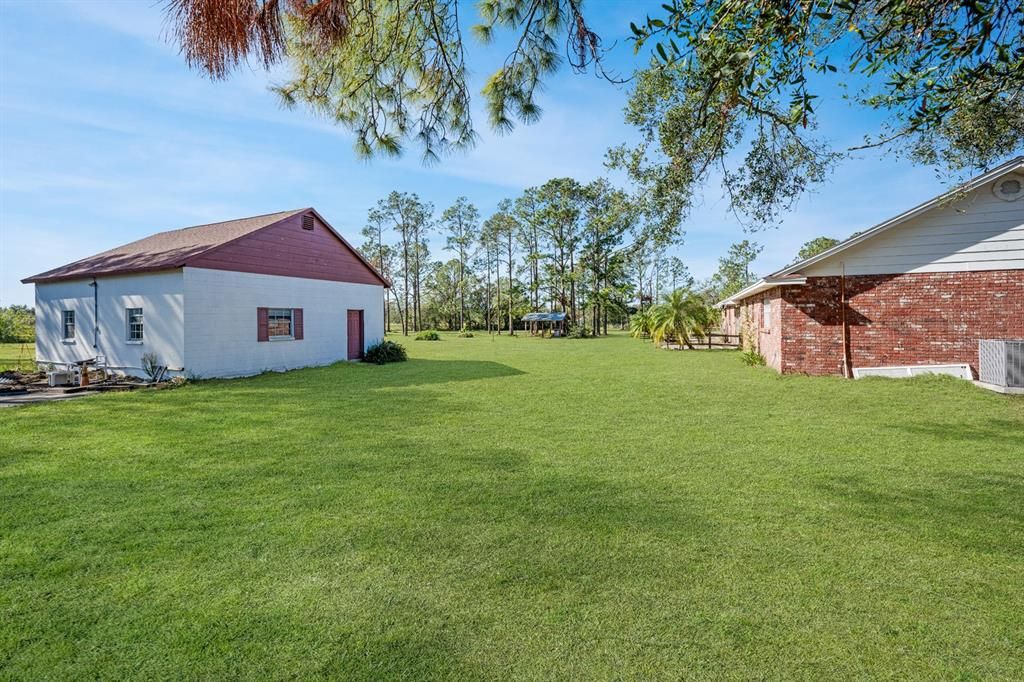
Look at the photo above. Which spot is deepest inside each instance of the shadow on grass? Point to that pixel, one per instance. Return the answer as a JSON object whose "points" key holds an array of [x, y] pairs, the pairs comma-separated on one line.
{"points": [[420, 372], [499, 516], [417, 372], [422, 655], [994, 431], [971, 510]]}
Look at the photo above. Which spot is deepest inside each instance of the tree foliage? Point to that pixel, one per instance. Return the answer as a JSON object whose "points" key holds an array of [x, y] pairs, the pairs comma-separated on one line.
{"points": [[736, 81], [681, 316], [502, 230], [641, 323], [562, 246], [411, 220], [390, 70], [733, 271], [17, 324], [460, 223], [816, 246]]}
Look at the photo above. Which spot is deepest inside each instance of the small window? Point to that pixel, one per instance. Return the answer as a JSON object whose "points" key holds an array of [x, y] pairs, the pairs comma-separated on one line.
{"points": [[69, 325], [133, 322], [766, 313], [279, 323]]}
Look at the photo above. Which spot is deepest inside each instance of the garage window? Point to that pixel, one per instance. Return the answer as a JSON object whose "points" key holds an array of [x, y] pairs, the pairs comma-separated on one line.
{"points": [[279, 323], [69, 325], [133, 323]]}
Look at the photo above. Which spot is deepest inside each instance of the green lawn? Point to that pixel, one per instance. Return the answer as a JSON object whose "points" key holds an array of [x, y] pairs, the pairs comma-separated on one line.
{"points": [[525, 508], [17, 355]]}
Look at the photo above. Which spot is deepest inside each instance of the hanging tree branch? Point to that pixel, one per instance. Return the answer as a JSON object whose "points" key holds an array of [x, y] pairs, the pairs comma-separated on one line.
{"points": [[390, 70]]}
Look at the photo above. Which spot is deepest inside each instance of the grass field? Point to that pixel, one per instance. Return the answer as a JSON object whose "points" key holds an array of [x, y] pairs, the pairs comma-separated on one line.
{"points": [[17, 355], [525, 508]]}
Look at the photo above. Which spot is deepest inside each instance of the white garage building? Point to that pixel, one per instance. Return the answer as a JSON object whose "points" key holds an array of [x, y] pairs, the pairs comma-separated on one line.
{"points": [[236, 298]]}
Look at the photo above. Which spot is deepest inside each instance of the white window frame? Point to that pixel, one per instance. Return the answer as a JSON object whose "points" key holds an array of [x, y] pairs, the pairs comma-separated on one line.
{"points": [[766, 313], [128, 314], [64, 325], [291, 323]]}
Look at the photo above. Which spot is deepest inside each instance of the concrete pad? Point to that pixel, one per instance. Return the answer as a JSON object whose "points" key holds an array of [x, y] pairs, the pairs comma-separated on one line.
{"points": [[42, 396]]}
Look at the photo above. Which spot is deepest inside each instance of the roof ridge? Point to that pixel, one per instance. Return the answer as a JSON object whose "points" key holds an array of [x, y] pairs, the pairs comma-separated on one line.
{"points": [[232, 220]]}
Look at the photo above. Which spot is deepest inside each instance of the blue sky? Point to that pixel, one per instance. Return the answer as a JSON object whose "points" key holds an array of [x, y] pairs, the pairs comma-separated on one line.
{"points": [[106, 136]]}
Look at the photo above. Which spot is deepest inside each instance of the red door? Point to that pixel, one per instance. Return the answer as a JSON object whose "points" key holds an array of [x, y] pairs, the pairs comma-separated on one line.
{"points": [[355, 334]]}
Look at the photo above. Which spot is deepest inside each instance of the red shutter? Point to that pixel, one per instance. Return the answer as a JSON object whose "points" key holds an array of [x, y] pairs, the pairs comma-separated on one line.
{"points": [[262, 325], [297, 323]]}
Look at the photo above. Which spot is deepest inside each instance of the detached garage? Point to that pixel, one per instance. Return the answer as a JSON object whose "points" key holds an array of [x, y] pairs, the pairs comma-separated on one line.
{"points": [[235, 298]]}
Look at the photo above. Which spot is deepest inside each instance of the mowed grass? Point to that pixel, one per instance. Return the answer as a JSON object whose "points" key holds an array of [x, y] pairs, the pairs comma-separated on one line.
{"points": [[517, 509], [17, 356]]}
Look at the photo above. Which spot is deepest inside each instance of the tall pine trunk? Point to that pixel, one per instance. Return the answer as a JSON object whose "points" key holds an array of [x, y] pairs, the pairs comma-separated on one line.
{"points": [[405, 290], [511, 331], [487, 302], [462, 289]]}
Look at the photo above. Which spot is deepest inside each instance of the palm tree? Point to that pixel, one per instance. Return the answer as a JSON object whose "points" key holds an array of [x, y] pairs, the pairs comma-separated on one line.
{"points": [[640, 324], [680, 316]]}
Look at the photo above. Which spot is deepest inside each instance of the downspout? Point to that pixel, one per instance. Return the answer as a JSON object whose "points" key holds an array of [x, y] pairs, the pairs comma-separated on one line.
{"points": [[847, 361], [95, 313]]}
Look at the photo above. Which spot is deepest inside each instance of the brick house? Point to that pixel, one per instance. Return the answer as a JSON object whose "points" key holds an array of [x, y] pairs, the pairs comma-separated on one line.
{"points": [[919, 289]]}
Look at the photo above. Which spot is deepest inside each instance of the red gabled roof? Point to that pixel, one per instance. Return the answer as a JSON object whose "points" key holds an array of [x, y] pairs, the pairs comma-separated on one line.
{"points": [[178, 248]]}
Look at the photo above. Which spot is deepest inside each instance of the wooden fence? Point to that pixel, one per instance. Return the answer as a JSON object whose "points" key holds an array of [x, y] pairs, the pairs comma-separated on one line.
{"points": [[724, 341]]}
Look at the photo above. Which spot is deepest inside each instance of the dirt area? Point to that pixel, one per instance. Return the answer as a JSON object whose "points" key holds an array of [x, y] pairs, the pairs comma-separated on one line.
{"points": [[23, 388]]}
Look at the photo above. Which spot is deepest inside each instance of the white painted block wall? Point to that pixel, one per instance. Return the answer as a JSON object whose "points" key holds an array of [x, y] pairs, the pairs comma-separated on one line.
{"points": [[220, 321], [160, 295]]}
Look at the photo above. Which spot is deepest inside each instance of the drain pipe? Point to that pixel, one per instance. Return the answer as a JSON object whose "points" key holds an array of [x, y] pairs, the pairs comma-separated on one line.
{"points": [[847, 363], [95, 313]]}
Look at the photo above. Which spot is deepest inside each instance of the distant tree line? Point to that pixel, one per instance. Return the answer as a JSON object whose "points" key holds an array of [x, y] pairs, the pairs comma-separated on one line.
{"points": [[589, 250], [17, 324]]}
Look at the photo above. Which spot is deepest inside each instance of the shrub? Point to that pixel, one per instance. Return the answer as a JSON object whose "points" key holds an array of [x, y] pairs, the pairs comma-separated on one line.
{"points": [[752, 358], [465, 333], [579, 331], [385, 351], [428, 335], [150, 365]]}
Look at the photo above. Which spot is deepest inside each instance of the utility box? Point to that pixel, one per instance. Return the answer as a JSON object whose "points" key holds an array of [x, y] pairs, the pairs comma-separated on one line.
{"points": [[60, 378], [1001, 362]]}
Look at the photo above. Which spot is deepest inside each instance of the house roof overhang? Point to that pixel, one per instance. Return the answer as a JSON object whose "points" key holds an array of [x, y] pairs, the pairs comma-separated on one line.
{"points": [[760, 286], [791, 273]]}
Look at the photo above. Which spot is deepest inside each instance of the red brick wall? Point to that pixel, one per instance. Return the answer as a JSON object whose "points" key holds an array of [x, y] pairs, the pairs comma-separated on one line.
{"points": [[731, 320], [909, 319], [763, 332]]}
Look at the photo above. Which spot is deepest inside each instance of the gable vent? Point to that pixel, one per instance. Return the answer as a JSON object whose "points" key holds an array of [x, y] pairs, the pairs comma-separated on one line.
{"points": [[1010, 187], [307, 222]]}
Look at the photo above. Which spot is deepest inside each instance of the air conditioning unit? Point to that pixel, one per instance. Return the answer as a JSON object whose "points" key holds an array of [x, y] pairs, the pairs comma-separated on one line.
{"points": [[1001, 364], [59, 378]]}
